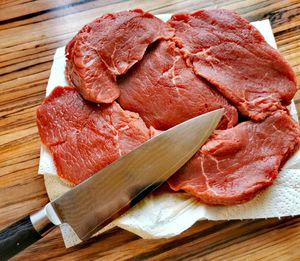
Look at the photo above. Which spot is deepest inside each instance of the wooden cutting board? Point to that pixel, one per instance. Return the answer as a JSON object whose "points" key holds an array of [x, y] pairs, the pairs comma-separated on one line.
{"points": [[30, 33]]}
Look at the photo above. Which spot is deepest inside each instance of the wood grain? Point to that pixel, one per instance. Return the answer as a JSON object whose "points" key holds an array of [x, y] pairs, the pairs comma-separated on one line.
{"points": [[30, 31]]}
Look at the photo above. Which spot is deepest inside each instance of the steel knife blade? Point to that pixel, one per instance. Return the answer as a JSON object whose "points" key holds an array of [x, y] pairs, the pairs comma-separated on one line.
{"points": [[111, 191]]}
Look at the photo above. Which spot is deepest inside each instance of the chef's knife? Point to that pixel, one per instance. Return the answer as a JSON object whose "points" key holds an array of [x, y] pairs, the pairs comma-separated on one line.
{"points": [[111, 191]]}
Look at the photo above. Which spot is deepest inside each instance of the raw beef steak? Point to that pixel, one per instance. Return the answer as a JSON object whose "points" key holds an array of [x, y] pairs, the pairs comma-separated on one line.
{"points": [[84, 137], [108, 47], [165, 92], [215, 58], [229, 52], [237, 163]]}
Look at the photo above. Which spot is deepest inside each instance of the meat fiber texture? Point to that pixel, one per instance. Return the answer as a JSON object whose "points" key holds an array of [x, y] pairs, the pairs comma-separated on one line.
{"points": [[108, 47], [255, 151], [169, 214], [229, 52], [166, 92], [85, 136]]}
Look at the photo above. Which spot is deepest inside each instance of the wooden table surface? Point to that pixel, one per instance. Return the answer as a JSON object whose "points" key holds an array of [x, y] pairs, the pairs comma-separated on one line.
{"points": [[30, 33]]}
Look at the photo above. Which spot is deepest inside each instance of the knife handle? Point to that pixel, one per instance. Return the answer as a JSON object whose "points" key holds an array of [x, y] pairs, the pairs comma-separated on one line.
{"points": [[23, 233]]}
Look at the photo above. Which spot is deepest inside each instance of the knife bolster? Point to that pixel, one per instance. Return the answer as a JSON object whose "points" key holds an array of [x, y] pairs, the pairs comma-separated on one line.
{"points": [[41, 222]]}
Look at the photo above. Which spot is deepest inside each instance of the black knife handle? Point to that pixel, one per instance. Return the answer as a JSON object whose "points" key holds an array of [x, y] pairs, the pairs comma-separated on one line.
{"points": [[20, 235]]}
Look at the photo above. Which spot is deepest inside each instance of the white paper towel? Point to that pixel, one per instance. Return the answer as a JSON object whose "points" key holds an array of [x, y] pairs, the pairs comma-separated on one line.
{"points": [[168, 214]]}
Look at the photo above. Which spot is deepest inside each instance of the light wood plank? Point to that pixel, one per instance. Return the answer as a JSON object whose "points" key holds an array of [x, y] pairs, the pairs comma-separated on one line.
{"points": [[30, 31]]}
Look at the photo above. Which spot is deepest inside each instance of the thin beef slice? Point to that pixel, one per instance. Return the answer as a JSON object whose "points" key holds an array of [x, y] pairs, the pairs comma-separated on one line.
{"points": [[108, 47], [83, 137], [166, 92], [229, 52], [235, 164]]}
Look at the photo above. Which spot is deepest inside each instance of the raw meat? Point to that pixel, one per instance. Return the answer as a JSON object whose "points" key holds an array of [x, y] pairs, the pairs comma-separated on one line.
{"points": [[165, 92], [229, 52], [237, 163], [83, 137], [108, 47], [230, 58]]}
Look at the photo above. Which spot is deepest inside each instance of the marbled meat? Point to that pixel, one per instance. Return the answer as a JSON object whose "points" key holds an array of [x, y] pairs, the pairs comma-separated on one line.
{"points": [[237, 163], [83, 137], [166, 92], [230, 53], [108, 47], [215, 59]]}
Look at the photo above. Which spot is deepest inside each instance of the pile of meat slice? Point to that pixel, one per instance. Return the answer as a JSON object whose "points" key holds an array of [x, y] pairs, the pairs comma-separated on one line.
{"points": [[134, 74]]}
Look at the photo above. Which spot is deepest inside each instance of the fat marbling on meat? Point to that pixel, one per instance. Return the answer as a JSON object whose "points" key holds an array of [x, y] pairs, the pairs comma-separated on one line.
{"points": [[84, 137], [235, 164], [230, 53], [166, 92], [216, 59], [108, 47]]}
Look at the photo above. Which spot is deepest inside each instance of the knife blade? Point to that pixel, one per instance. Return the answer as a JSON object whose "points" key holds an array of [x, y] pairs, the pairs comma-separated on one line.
{"points": [[111, 191]]}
